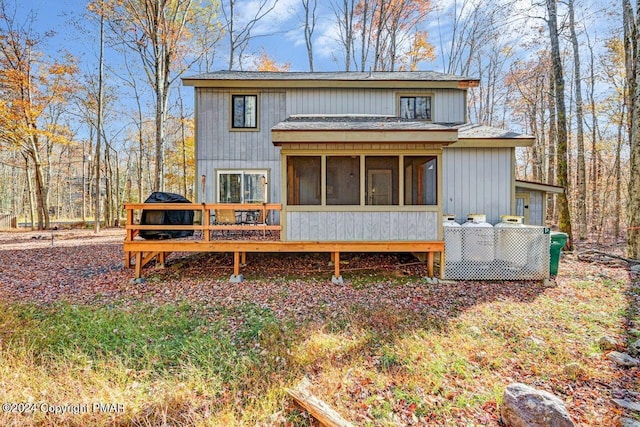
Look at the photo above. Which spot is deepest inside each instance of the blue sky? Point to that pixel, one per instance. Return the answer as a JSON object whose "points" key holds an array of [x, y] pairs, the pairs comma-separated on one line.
{"points": [[281, 30], [283, 38]]}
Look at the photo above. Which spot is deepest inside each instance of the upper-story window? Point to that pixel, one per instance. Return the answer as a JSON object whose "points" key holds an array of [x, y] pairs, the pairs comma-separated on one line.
{"points": [[244, 111], [415, 107]]}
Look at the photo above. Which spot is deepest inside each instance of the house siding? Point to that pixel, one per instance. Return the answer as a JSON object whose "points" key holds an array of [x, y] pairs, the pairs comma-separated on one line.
{"points": [[217, 147], [477, 180], [448, 104], [361, 226]]}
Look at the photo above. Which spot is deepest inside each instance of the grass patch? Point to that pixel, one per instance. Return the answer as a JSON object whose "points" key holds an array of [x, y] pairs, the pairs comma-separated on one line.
{"points": [[174, 361], [422, 354]]}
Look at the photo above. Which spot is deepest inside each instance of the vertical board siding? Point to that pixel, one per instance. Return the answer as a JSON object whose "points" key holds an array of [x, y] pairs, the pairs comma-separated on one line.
{"points": [[217, 147], [477, 180], [448, 104], [536, 215], [361, 226]]}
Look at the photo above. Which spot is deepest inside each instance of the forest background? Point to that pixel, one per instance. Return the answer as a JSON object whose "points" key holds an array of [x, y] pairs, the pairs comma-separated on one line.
{"points": [[92, 102]]}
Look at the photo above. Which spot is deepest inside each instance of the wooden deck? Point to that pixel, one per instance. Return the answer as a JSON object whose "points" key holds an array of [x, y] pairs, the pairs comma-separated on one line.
{"points": [[139, 252]]}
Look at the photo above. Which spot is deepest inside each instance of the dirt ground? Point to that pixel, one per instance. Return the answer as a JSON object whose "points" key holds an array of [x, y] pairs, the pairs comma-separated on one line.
{"points": [[44, 267]]}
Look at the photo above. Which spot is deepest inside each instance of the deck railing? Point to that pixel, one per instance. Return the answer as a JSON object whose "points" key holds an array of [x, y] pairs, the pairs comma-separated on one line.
{"points": [[262, 217]]}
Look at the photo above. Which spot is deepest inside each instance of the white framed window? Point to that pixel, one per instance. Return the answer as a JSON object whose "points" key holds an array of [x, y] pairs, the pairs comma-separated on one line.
{"points": [[242, 186], [244, 111], [415, 107]]}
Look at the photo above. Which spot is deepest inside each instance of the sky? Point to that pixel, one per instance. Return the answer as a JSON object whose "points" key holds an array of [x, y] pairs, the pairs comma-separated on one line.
{"points": [[282, 36], [280, 33]]}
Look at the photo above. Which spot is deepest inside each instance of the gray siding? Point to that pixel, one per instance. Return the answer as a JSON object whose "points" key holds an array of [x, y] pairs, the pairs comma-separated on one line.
{"points": [[477, 180], [361, 226], [448, 104], [536, 216], [219, 148]]}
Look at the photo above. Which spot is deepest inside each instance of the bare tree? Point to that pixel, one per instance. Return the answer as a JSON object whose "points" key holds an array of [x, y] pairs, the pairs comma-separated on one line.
{"points": [[310, 17], [162, 33], [631, 25], [240, 29], [344, 13], [96, 225], [564, 217], [581, 181]]}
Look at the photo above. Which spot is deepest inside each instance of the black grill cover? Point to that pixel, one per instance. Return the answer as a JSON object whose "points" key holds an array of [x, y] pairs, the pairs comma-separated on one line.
{"points": [[166, 217]]}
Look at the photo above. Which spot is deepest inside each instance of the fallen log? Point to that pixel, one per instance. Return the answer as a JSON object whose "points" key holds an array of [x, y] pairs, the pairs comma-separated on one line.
{"points": [[595, 251], [316, 407]]}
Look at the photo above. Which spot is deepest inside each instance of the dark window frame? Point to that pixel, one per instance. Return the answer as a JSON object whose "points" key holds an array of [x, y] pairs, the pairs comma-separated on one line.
{"points": [[234, 117], [412, 102]]}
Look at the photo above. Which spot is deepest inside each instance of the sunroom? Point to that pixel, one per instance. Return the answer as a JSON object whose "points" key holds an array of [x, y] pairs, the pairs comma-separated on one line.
{"points": [[361, 178]]}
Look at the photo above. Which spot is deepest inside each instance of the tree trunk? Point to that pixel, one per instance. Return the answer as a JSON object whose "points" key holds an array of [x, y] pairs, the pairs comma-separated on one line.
{"points": [[309, 7], [581, 184], [632, 57], [618, 174], [29, 192], [551, 152], [564, 217], [595, 155], [96, 225]]}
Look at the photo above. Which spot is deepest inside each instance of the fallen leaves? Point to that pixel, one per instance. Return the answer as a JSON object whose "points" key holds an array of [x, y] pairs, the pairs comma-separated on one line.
{"points": [[384, 297]]}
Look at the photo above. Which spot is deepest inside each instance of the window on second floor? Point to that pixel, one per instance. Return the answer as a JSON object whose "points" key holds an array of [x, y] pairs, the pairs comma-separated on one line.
{"points": [[415, 107], [244, 111]]}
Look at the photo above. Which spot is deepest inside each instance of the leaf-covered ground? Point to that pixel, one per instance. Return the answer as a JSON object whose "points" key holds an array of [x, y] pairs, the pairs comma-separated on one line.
{"points": [[386, 348]]}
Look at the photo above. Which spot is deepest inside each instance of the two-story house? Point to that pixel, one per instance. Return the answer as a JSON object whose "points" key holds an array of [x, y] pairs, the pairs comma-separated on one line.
{"points": [[352, 156]]}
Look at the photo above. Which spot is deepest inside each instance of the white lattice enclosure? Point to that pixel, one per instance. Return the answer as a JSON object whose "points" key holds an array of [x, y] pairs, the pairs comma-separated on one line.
{"points": [[518, 253]]}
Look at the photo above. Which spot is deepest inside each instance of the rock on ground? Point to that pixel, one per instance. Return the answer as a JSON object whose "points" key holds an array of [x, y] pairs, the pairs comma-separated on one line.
{"points": [[607, 343], [524, 406], [622, 359]]}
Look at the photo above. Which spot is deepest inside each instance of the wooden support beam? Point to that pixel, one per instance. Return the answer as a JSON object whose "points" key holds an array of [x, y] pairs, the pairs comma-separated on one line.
{"points": [[316, 407], [161, 258], [430, 264], [336, 264], [146, 259], [138, 265], [236, 263], [244, 258]]}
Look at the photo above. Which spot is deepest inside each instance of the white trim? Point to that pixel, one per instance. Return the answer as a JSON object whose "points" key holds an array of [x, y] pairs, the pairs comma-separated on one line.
{"points": [[242, 173]]}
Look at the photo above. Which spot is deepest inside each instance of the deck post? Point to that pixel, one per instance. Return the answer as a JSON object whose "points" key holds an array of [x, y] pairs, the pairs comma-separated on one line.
{"points": [[138, 264], [161, 258], [129, 237], [206, 212], [236, 277], [430, 264], [337, 278]]}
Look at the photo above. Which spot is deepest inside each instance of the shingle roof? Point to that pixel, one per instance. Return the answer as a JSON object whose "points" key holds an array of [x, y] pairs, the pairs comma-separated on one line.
{"points": [[311, 122], [470, 130], [355, 122], [340, 75]]}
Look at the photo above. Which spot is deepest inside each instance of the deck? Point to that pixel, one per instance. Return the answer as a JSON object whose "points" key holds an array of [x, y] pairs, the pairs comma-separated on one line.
{"points": [[242, 237]]}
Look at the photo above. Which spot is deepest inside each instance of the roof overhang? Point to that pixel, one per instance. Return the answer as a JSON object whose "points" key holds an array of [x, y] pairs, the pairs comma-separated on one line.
{"points": [[538, 186], [361, 136], [374, 80], [359, 129], [492, 142], [480, 136]]}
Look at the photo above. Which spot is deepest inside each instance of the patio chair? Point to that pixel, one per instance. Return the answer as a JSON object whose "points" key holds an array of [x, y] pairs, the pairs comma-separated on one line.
{"points": [[225, 217]]}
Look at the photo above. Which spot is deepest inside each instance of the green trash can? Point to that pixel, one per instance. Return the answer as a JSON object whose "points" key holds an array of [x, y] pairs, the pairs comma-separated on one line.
{"points": [[558, 240]]}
